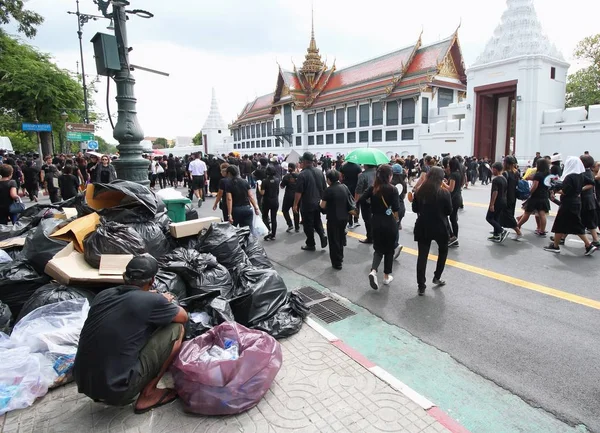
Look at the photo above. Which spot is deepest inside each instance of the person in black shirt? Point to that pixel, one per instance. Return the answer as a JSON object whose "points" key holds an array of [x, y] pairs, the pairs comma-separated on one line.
{"points": [[309, 191], [337, 202], [589, 206], [214, 176], [433, 205], [350, 173], [52, 183], [32, 179], [455, 181], [289, 183], [539, 200], [68, 183], [568, 219], [498, 204], [512, 180], [8, 192], [221, 199], [128, 341], [239, 197], [269, 189], [104, 171], [384, 207]]}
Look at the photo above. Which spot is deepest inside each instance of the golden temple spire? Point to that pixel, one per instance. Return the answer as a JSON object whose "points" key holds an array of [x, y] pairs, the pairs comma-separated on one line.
{"points": [[312, 62]]}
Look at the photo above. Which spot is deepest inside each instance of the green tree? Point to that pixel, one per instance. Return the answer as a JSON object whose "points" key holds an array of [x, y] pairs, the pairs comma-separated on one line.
{"points": [[197, 140], [33, 87], [21, 141], [160, 143], [583, 87], [27, 20], [104, 147]]}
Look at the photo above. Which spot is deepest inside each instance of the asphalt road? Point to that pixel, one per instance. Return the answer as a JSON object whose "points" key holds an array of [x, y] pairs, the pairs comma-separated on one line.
{"points": [[524, 318], [507, 312]]}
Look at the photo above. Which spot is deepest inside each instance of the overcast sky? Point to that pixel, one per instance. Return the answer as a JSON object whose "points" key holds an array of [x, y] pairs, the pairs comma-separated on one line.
{"points": [[234, 45]]}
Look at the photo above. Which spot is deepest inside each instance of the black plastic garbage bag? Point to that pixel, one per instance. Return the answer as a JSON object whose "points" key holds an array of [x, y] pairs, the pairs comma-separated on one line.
{"points": [[5, 318], [165, 281], [39, 247], [201, 272], [29, 219], [222, 241], [14, 252], [139, 204], [151, 232], [77, 202], [258, 294], [206, 315], [287, 320], [188, 243], [18, 281], [191, 213], [53, 293], [112, 238], [163, 220], [256, 253]]}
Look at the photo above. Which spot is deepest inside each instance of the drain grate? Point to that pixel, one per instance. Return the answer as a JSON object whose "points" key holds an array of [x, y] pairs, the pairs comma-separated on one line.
{"points": [[311, 295], [330, 311]]}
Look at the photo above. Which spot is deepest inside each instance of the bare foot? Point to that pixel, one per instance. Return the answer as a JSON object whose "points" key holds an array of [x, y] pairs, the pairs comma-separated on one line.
{"points": [[157, 398]]}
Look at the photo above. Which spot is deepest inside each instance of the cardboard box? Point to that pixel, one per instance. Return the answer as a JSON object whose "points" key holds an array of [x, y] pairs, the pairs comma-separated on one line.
{"points": [[69, 267], [77, 230], [12, 242], [191, 228]]}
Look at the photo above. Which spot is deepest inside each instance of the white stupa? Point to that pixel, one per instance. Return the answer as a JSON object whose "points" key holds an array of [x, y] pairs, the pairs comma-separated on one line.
{"points": [[215, 132], [519, 33]]}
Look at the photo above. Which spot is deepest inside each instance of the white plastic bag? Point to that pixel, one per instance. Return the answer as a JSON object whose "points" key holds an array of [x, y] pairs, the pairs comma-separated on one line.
{"points": [[40, 352], [259, 229], [4, 257]]}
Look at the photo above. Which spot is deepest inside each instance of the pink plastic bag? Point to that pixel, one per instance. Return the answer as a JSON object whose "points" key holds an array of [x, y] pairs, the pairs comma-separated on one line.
{"points": [[226, 387]]}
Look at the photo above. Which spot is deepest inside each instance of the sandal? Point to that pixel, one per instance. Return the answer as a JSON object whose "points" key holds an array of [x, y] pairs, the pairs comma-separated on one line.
{"points": [[163, 400]]}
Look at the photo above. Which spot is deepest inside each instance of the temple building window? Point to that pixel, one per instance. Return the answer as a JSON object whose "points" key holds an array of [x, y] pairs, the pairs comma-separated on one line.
{"points": [[319, 139], [408, 134], [320, 121], [339, 138], [329, 139], [363, 137], [408, 111], [270, 129], [377, 113], [329, 120], [351, 117], [445, 98], [364, 115], [311, 140], [311, 123], [391, 135], [340, 114], [377, 135], [352, 137], [299, 124], [298, 141], [391, 113], [425, 111]]}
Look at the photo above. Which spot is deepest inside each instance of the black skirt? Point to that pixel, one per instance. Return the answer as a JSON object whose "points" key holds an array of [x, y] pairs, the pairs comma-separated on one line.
{"points": [[537, 204], [385, 229], [568, 220]]}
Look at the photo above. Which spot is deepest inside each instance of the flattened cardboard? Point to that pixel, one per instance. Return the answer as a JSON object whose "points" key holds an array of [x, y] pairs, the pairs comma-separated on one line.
{"points": [[114, 264], [77, 230], [191, 228], [69, 267], [12, 242]]}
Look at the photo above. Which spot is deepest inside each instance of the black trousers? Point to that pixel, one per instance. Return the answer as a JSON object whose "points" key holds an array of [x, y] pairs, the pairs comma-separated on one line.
{"points": [[336, 232], [454, 217], [365, 210], [311, 220], [493, 218], [270, 208], [424, 247], [388, 261], [288, 203]]}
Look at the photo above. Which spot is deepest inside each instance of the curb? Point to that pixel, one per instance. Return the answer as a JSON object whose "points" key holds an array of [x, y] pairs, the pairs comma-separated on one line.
{"points": [[428, 406]]}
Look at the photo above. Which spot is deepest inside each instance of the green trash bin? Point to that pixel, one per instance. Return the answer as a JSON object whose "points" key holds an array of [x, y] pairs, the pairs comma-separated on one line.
{"points": [[176, 208]]}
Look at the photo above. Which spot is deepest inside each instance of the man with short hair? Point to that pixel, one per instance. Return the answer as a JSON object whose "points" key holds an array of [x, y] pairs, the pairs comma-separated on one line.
{"points": [[309, 191], [197, 171], [128, 341]]}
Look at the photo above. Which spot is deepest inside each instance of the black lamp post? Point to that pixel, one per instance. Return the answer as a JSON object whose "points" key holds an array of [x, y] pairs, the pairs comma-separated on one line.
{"points": [[128, 132]]}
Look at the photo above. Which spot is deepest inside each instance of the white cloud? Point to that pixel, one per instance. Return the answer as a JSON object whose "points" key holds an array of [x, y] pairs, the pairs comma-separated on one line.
{"points": [[233, 45]]}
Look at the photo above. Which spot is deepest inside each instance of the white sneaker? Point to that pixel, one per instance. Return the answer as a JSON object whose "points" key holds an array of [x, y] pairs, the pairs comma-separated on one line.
{"points": [[373, 280], [387, 281]]}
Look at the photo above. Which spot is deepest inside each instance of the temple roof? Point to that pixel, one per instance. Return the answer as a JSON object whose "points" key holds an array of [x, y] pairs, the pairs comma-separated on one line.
{"points": [[401, 73], [214, 119], [519, 33]]}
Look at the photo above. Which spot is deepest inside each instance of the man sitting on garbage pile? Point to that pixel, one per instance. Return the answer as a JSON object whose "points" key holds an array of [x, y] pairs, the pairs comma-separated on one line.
{"points": [[128, 341]]}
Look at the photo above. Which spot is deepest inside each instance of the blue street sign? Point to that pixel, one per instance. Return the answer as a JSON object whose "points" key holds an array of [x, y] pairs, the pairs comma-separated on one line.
{"points": [[92, 145], [36, 127]]}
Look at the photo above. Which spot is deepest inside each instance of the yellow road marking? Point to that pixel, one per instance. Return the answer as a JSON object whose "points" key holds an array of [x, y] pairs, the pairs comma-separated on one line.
{"points": [[566, 296]]}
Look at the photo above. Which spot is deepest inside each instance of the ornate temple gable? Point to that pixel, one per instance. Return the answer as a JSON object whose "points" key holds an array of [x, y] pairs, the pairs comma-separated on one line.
{"points": [[396, 79], [452, 65]]}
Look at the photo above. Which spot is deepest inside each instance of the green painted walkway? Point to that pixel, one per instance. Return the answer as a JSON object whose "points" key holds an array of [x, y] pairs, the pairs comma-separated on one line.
{"points": [[477, 403]]}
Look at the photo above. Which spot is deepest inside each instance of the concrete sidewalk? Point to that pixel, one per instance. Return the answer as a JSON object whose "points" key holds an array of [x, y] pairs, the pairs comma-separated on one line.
{"points": [[318, 389]]}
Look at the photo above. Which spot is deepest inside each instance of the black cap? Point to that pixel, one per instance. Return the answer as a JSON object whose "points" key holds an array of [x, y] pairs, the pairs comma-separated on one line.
{"points": [[307, 156], [142, 267]]}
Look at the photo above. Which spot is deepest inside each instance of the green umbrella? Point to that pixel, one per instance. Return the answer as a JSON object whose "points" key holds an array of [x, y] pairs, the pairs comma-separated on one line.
{"points": [[369, 156]]}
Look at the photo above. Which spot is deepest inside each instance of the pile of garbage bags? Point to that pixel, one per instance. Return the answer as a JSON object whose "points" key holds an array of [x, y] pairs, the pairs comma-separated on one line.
{"points": [[40, 352]]}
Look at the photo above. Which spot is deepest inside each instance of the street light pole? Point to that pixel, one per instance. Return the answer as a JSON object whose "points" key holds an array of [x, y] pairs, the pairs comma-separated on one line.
{"points": [[128, 132], [85, 91]]}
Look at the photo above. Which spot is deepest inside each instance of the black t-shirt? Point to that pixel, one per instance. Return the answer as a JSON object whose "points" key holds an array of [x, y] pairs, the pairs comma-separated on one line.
{"points": [[500, 184], [120, 322], [239, 192], [68, 186], [32, 175], [5, 198], [104, 173], [380, 203], [271, 188], [224, 186], [457, 192], [336, 197], [588, 201], [310, 184], [350, 171], [289, 183], [541, 192]]}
